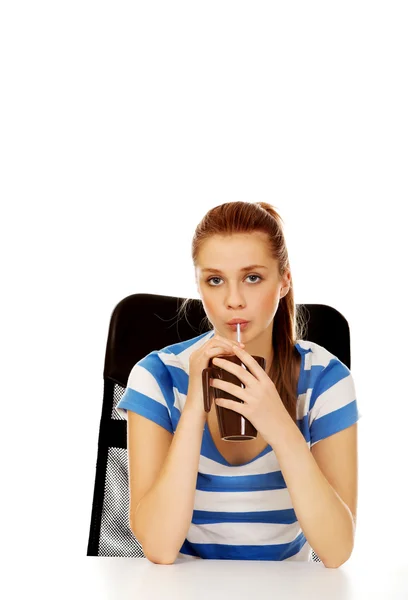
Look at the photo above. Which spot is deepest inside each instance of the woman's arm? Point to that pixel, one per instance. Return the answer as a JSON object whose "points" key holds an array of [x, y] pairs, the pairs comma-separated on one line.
{"points": [[163, 516], [326, 520]]}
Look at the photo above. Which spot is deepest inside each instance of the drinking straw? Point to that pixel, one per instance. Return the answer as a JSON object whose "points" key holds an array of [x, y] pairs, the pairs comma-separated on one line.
{"points": [[238, 340], [242, 420]]}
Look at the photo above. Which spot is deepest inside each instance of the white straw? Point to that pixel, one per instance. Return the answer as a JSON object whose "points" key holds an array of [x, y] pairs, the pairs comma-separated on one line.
{"points": [[238, 332]]}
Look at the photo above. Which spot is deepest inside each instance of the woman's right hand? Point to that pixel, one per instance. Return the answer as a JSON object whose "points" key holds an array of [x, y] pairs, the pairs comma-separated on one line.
{"points": [[199, 360]]}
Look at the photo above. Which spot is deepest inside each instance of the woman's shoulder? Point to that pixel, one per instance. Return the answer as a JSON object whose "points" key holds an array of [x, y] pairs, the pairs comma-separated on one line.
{"points": [[319, 354], [179, 353], [318, 361], [174, 355]]}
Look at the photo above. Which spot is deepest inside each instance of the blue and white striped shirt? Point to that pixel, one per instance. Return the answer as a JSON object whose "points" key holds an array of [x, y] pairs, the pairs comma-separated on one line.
{"points": [[244, 511]]}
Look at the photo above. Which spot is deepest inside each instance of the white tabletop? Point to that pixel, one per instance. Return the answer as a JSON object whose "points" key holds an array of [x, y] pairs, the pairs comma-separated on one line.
{"points": [[114, 578]]}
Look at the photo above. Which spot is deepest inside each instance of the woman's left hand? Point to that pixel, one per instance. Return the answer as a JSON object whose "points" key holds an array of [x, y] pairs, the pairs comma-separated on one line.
{"points": [[262, 406]]}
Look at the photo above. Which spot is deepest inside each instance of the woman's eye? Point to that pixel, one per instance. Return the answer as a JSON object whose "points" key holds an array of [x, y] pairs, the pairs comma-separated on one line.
{"points": [[256, 276]]}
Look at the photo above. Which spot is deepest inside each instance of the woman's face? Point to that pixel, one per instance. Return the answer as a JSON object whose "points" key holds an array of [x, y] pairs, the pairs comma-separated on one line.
{"points": [[252, 294]]}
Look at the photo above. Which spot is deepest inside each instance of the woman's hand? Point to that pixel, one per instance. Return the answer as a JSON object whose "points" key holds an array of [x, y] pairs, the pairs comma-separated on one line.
{"points": [[262, 406], [199, 360]]}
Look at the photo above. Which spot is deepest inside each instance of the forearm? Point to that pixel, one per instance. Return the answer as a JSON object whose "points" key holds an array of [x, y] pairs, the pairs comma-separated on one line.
{"points": [[163, 517], [325, 519]]}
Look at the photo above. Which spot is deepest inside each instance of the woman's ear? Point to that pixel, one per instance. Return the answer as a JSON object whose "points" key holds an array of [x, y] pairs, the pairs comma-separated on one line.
{"points": [[286, 284]]}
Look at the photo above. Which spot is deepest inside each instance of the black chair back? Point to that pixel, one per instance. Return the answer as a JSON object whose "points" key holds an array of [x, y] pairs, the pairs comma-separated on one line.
{"points": [[140, 324]]}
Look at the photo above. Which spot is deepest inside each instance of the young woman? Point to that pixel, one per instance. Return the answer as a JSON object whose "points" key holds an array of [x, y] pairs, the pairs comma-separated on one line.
{"points": [[291, 489]]}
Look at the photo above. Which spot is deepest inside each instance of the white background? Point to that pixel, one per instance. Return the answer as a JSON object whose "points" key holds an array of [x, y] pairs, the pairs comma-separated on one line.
{"points": [[122, 123]]}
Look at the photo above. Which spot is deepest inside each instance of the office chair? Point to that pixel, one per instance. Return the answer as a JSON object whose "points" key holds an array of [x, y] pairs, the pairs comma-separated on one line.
{"points": [[139, 324]]}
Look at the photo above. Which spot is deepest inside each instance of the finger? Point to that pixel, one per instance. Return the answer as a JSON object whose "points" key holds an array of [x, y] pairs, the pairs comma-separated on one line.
{"points": [[221, 349], [254, 367], [230, 345], [228, 342], [231, 388], [231, 404], [236, 370], [229, 350]]}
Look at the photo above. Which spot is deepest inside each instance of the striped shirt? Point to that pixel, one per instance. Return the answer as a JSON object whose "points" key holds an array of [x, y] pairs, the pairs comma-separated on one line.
{"points": [[244, 511]]}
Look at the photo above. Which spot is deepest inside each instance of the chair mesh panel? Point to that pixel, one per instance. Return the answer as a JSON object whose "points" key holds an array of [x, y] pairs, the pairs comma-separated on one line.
{"points": [[118, 392], [116, 537]]}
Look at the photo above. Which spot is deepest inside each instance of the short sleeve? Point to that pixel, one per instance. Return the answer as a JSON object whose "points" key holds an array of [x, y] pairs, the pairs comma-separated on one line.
{"points": [[333, 402], [149, 392]]}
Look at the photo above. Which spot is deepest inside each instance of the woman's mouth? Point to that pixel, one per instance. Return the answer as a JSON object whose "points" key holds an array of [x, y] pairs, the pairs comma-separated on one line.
{"points": [[242, 326]]}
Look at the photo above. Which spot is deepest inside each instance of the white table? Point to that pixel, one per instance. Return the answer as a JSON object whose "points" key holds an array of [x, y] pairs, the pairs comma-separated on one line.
{"points": [[112, 578]]}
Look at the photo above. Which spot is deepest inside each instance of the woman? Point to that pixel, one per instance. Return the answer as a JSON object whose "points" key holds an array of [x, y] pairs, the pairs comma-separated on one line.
{"points": [[195, 495]]}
